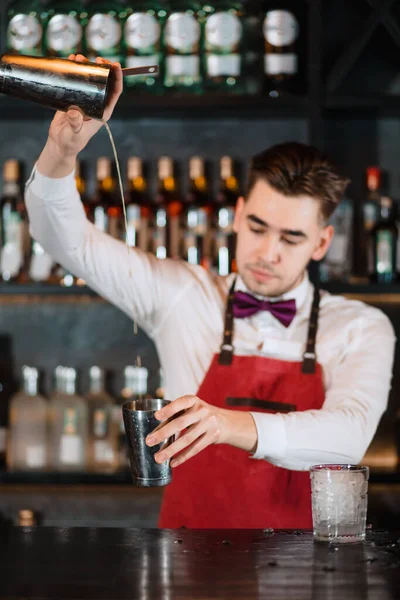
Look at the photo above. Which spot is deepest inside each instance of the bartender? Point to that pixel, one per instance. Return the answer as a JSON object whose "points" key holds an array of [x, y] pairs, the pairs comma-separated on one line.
{"points": [[271, 375]]}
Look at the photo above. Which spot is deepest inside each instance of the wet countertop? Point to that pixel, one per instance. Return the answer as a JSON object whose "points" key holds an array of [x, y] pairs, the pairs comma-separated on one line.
{"points": [[146, 564]]}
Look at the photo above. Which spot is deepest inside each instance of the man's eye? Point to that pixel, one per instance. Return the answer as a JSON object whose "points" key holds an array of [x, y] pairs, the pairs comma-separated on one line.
{"points": [[291, 243], [257, 231]]}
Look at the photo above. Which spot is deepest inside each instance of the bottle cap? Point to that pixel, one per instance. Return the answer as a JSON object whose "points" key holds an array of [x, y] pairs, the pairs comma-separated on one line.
{"points": [[196, 167], [165, 167], [135, 167], [103, 168], [11, 171], [374, 178]]}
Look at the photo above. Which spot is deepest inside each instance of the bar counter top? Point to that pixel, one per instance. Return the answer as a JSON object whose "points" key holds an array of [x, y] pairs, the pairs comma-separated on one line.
{"points": [[151, 564]]}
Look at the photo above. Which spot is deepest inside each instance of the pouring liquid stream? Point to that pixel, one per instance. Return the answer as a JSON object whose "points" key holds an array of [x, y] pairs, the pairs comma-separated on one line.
{"points": [[121, 189]]}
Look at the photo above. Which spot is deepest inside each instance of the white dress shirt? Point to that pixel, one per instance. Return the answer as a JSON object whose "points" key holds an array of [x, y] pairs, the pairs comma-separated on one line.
{"points": [[181, 307]]}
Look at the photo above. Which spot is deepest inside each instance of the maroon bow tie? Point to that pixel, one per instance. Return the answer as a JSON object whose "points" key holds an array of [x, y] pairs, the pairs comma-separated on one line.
{"points": [[246, 305]]}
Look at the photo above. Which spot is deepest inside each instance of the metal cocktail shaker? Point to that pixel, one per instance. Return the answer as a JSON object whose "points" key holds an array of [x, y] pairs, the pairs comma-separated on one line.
{"points": [[60, 84], [139, 421], [57, 83]]}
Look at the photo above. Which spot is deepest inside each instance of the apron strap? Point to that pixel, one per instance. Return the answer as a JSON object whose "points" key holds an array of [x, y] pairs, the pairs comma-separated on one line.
{"points": [[309, 356], [226, 349]]}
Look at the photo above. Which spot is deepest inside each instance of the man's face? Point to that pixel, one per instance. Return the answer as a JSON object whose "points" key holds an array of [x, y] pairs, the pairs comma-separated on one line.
{"points": [[277, 236]]}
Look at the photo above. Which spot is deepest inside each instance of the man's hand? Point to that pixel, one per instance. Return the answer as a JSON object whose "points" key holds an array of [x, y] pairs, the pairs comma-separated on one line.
{"points": [[70, 131], [200, 425]]}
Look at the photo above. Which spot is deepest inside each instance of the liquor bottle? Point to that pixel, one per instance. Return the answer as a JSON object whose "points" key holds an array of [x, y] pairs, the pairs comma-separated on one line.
{"points": [[167, 230], [142, 38], [135, 388], [41, 265], [224, 239], [69, 419], [138, 209], [370, 214], [8, 386], [223, 45], [183, 39], [102, 446], [372, 202], [103, 33], [284, 43], [197, 221], [24, 27], [64, 31], [338, 261], [27, 447], [101, 205], [13, 223], [383, 244]]}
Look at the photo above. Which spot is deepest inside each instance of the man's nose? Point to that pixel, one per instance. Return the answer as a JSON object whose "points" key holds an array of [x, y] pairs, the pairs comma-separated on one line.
{"points": [[269, 249]]}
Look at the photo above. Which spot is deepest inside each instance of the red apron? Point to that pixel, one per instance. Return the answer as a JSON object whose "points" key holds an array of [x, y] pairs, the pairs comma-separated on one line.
{"points": [[222, 486]]}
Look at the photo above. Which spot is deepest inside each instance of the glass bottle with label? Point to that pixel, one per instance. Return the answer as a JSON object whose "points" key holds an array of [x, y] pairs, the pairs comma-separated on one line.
{"points": [[224, 215], [383, 244], [41, 265], [64, 31], [371, 206], [69, 419], [103, 33], [25, 27], [223, 45], [284, 46], [338, 261], [102, 447], [135, 388], [138, 208], [197, 221], [27, 447], [142, 38], [183, 39], [370, 212], [98, 208], [167, 214], [13, 223]]}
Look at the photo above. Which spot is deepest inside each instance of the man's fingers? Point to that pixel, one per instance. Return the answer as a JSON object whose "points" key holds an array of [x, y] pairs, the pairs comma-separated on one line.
{"points": [[81, 58], [163, 432], [184, 441], [200, 444], [181, 403]]}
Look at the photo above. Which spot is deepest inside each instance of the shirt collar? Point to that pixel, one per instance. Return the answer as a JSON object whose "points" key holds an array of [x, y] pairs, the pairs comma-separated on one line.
{"points": [[301, 293]]}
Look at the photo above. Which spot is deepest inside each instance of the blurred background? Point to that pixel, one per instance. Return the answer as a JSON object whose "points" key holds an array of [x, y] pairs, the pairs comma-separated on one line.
{"points": [[235, 77]]}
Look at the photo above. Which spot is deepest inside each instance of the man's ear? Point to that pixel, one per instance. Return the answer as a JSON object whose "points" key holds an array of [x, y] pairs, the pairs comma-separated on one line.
{"points": [[325, 240], [238, 213]]}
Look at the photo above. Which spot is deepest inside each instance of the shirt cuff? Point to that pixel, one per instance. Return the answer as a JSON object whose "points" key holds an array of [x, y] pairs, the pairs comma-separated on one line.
{"points": [[271, 433], [49, 189]]}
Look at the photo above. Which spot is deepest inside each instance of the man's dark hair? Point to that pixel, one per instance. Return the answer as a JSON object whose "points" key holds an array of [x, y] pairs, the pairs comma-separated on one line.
{"points": [[295, 169]]}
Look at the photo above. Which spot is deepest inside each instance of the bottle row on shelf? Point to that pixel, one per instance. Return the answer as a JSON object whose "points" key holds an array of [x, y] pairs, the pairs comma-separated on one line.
{"points": [[197, 46], [194, 226], [70, 432], [378, 240], [192, 222]]}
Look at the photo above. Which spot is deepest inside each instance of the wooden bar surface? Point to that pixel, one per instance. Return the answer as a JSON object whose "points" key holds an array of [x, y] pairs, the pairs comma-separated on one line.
{"points": [[105, 563]]}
